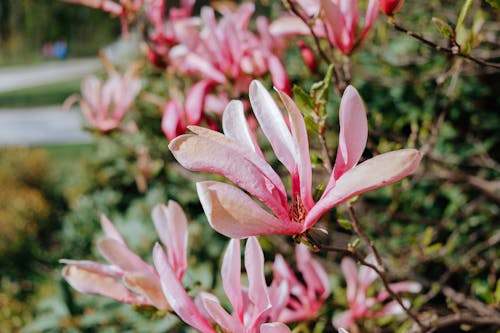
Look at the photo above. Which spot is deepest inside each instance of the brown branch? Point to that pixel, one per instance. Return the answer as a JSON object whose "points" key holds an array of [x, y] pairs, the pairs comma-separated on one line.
{"points": [[463, 318], [455, 51]]}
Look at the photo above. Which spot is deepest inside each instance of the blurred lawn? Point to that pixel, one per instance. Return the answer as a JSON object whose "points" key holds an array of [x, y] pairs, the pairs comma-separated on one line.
{"points": [[49, 94]]}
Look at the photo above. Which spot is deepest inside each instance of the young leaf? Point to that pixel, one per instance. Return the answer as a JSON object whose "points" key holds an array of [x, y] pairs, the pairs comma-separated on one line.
{"points": [[444, 28]]}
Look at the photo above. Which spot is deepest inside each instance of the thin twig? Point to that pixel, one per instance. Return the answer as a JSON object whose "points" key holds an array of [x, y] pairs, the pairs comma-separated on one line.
{"points": [[357, 228], [324, 150], [455, 51]]}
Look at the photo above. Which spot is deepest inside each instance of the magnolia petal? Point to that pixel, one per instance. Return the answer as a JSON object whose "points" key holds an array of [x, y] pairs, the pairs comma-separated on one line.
{"points": [[313, 273], [278, 74], [195, 100], [287, 26], [210, 153], [257, 288], [272, 124], [371, 15], [344, 319], [349, 9], [121, 256], [392, 308], [374, 173], [350, 272], [171, 122], [366, 274], [335, 25], [95, 267], [400, 287], [235, 126], [279, 295], [148, 285], [299, 133], [171, 224], [223, 319], [176, 295], [196, 63], [110, 229], [231, 277], [353, 132], [89, 282], [234, 214], [274, 328]]}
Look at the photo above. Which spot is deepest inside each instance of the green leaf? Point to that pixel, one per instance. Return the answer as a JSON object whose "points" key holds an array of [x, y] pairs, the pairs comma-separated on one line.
{"points": [[463, 13], [444, 28], [427, 237], [345, 224], [306, 106], [319, 93], [494, 3]]}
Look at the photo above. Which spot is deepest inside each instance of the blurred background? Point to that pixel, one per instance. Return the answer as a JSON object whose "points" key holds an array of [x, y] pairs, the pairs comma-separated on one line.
{"points": [[441, 227]]}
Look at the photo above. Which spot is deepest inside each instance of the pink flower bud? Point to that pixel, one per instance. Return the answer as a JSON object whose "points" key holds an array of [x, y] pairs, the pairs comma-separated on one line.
{"points": [[389, 7], [308, 56]]}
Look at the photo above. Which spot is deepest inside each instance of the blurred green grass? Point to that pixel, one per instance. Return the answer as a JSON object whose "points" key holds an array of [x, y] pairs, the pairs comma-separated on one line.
{"points": [[49, 94]]}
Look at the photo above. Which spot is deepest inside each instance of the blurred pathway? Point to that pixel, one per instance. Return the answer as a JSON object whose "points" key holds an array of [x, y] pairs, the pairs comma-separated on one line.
{"points": [[43, 125], [35, 126], [48, 124], [14, 78]]}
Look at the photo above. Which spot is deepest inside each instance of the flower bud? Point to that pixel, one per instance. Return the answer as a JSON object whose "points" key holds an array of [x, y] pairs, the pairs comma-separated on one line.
{"points": [[308, 56], [389, 7]]}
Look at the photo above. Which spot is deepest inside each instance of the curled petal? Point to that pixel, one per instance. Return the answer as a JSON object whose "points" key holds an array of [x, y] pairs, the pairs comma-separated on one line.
{"points": [[234, 214], [351, 277], [89, 282], [95, 267], [223, 319], [374, 173], [400, 287], [313, 273], [149, 286], [235, 126], [121, 256], [110, 229], [195, 100]]}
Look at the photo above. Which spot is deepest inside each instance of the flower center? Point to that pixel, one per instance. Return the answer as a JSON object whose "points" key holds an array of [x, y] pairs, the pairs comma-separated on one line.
{"points": [[298, 211]]}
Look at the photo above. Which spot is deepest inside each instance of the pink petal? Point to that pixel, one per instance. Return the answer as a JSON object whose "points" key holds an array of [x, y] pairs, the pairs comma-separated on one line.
{"points": [[110, 229], [235, 126], [148, 285], [400, 287], [351, 278], [274, 328], [224, 320], [210, 153], [197, 63], [172, 120], [313, 273], [374, 173], [343, 319], [336, 26], [234, 214], [392, 308], [272, 124], [288, 25], [301, 143], [171, 224], [195, 100], [350, 10], [95, 267], [279, 75], [257, 288], [353, 132], [89, 282], [176, 295], [120, 255], [231, 277], [371, 15]]}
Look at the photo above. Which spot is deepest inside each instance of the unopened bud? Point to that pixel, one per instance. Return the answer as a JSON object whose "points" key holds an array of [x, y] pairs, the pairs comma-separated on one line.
{"points": [[308, 56], [389, 7]]}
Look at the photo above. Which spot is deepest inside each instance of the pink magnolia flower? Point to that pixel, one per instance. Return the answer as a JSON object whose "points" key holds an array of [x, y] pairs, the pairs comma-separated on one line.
{"points": [[389, 7], [176, 117], [361, 306], [339, 17], [104, 104], [341, 20], [227, 52], [128, 278], [236, 156], [305, 299], [250, 306]]}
